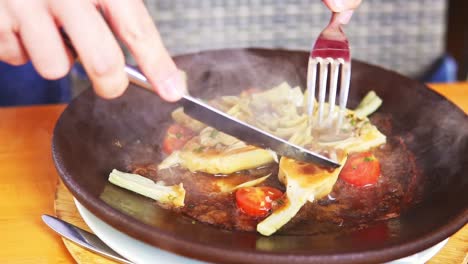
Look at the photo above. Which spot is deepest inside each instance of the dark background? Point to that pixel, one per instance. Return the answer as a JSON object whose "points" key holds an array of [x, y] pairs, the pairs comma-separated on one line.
{"points": [[457, 35]]}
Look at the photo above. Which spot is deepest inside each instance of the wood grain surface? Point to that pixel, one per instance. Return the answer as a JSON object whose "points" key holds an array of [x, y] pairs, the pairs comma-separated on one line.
{"points": [[65, 209], [28, 189], [28, 182]]}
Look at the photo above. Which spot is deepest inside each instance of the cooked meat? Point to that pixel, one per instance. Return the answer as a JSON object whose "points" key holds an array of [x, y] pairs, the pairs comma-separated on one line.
{"points": [[352, 206], [346, 205], [204, 201]]}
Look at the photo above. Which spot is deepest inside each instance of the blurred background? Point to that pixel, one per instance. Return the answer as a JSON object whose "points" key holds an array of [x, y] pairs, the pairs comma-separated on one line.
{"points": [[406, 36], [422, 39]]}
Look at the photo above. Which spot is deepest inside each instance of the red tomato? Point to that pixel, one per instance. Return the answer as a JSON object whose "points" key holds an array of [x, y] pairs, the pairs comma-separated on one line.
{"points": [[176, 137], [361, 169], [256, 201]]}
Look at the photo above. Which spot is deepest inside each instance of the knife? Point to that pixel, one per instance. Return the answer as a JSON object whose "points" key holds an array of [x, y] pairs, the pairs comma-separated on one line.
{"points": [[83, 238], [221, 121], [227, 124]]}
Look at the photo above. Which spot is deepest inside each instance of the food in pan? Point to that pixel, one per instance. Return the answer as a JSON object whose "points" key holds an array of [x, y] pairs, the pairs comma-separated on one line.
{"points": [[220, 180]]}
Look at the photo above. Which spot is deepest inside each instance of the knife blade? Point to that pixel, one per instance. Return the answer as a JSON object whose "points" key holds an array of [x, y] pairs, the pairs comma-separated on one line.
{"points": [[250, 134], [83, 238], [228, 124], [237, 128]]}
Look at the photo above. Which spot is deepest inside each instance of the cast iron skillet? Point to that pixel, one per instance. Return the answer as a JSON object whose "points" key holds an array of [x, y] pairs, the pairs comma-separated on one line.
{"points": [[93, 136]]}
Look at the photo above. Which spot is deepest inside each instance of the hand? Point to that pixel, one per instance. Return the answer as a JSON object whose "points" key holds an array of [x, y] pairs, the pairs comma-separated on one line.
{"points": [[29, 30], [345, 7]]}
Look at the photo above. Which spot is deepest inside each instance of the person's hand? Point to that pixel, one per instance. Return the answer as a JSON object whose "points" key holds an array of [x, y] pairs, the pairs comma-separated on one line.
{"points": [[29, 30], [344, 7]]}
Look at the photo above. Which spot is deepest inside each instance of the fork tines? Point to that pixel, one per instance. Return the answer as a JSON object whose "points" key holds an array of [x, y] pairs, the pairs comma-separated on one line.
{"points": [[322, 66], [330, 53]]}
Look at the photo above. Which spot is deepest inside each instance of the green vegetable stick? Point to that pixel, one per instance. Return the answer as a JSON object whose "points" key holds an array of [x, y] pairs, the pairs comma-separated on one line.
{"points": [[369, 104], [172, 195]]}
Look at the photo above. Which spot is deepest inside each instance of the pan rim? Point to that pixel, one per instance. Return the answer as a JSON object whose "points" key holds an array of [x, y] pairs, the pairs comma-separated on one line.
{"points": [[220, 253]]}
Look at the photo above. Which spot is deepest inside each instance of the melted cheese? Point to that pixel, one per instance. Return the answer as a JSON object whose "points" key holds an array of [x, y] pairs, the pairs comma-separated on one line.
{"points": [[304, 181], [218, 159]]}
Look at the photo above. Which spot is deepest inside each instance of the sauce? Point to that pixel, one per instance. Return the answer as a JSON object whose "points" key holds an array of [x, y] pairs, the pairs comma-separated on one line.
{"points": [[345, 206]]}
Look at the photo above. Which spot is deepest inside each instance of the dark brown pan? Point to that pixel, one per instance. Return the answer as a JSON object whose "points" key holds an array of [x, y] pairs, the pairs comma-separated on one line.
{"points": [[93, 136]]}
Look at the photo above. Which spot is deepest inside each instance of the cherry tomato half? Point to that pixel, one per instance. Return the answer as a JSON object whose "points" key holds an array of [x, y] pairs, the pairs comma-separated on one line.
{"points": [[361, 169], [256, 201], [176, 137]]}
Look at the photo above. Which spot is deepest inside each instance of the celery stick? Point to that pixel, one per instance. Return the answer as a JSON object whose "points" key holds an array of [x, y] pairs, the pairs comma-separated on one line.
{"points": [[369, 104], [170, 195]]}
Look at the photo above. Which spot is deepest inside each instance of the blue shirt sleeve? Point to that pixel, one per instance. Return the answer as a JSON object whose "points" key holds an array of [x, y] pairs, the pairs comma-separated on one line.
{"points": [[22, 85]]}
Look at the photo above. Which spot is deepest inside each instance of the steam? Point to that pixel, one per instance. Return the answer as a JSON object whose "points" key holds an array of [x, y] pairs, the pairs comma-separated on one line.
{"points": [[440, 135], [131, 128], [229, 72]]}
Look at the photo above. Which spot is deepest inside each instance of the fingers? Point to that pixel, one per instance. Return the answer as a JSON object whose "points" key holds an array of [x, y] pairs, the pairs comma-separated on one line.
{"points": [[344, 8], [97, 48], [342, 5], [11, 49], [42, 41], [132, 23]]}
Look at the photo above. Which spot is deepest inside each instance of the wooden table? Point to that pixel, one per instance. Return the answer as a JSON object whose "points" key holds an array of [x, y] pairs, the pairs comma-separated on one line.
{"points": [[28, 181]]}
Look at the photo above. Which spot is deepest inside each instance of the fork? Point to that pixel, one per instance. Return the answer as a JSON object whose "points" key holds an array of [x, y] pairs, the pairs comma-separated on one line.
{"points": [[331, 50]]}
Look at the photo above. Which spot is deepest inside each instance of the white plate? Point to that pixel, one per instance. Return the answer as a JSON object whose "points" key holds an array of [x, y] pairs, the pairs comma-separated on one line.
{"points": [[140, 252]]}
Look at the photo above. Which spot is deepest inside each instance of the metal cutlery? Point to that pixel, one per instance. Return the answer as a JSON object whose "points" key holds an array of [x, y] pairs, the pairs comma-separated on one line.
{"points": [[331, 50], [228, 124], [237, 128], [83, 238]]}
